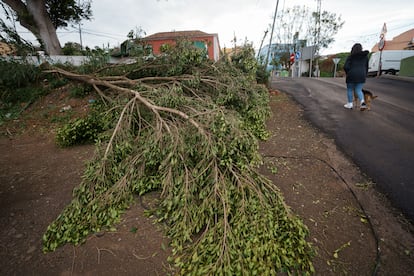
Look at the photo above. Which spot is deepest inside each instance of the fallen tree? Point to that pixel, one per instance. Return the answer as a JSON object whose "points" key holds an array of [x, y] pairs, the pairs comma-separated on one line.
{"points": [[188, 128]]}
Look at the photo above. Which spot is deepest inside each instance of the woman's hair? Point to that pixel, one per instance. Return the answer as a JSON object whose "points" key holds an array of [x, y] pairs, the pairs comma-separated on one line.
{"points": [[356, 48]]}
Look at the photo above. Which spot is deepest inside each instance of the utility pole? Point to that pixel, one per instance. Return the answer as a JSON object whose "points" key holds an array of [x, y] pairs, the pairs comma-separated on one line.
{"points": [[318, 33], [271, 35], [235, 41], [80, 30], [318, 21], [261, 44], [80, 36]]}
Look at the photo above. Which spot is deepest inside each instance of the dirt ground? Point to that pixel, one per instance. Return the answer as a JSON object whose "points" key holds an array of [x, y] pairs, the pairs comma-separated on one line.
{"points": [[354, 228]]}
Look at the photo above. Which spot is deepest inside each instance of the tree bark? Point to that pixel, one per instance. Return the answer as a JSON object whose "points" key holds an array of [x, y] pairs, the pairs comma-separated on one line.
{"points": [[34, 17]]}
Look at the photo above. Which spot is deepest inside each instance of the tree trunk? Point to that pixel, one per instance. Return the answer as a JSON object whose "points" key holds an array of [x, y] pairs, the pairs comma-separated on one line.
{"points": [[34, 17]]}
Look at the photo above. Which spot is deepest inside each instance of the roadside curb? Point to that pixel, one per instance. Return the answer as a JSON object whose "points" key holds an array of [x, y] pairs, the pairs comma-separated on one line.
{"points": [[394, 77]]}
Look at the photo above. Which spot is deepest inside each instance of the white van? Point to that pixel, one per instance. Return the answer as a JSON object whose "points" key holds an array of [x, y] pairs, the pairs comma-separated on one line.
{"points": [[391, 61]]}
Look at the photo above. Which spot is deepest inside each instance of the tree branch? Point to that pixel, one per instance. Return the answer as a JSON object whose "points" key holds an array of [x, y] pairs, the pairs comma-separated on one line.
{"points": [[23, 15], [95, 81]]}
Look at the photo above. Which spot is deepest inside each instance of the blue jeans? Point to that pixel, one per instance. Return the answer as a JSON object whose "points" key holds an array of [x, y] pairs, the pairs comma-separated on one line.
{"points": [[350, 87]]}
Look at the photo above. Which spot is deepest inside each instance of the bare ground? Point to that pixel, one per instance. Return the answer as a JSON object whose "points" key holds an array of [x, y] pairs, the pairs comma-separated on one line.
{"points": [[354, 228]]}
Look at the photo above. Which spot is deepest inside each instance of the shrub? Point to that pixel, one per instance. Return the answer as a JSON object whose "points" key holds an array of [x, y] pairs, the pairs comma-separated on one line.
{"points": [[15, 74], [17, 87], [83, 130]]}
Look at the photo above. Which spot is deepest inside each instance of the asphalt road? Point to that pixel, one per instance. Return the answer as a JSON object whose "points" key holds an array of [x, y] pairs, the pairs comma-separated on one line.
{"points": [[380, 141]]}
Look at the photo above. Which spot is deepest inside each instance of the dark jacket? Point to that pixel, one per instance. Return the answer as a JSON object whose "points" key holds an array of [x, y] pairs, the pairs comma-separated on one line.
{"points": [[356, 67]]}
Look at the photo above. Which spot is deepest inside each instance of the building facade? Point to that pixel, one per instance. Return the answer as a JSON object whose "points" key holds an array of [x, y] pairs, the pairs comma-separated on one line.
{"points": [[403, 41], [210, 42]]}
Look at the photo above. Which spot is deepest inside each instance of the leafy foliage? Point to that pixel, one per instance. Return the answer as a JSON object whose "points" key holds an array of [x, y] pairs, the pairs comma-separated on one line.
{"points": [[62, 12], [83, 130], [189, 128], [16, 74], [245, 61], [97, 58], [72, 49], [327, 66], [80, 91], [9, 35], [328, 27], [262, 75], [16, 87]]}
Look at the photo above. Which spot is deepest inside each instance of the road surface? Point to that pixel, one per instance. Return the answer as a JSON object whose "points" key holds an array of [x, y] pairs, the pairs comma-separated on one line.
{"points": [[380, 141]]}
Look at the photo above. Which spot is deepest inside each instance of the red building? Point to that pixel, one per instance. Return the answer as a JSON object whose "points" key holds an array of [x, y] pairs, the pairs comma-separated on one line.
{"points": [[210, 42]]}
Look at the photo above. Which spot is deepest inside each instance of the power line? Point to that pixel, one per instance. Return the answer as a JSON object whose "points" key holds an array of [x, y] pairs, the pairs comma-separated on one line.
{"points": [[103, 33]]}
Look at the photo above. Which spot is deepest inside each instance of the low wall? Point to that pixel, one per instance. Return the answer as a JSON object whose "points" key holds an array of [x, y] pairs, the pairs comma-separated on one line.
{"points": [[74, 60]]}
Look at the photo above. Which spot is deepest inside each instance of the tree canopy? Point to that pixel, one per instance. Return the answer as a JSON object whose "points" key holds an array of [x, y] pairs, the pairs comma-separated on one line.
{"points": [[298, 23], [43, 17]]}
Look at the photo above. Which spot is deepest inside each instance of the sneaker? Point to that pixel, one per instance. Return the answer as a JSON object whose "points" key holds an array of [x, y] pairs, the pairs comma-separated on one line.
{"points": [[348, 105], [363, 107]]}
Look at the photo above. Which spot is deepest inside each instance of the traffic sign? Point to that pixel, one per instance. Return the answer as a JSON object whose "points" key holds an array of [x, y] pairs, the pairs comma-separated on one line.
{"points": [[381, 44], [384, 29], [292, 57], [298, 55]]}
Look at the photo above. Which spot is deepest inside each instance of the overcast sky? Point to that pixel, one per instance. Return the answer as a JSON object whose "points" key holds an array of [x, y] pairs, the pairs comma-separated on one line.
{"points": [[246, 19]]}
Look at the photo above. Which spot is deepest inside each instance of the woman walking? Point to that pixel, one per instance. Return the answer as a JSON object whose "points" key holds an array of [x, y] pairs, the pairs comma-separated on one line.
{"points": [[356, 69]]}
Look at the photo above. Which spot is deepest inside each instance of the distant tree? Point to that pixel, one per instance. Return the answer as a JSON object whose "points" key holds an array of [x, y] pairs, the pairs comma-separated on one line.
{"points": [[292, 25], [136, 34], [282, 60], [322, 34], [289, 35], [72, 49], [298, 27], [135, 45], [43, 17]]}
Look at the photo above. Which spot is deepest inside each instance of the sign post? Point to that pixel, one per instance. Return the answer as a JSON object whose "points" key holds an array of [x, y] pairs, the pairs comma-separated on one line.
{"points": [[381, 46], [298, 63], [336, 61]]}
